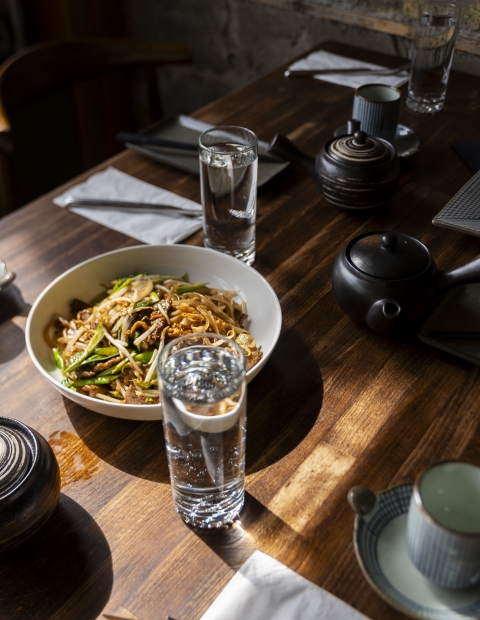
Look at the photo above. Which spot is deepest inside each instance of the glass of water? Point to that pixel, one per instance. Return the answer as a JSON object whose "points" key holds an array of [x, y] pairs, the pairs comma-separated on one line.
{"points": [[434, 45], [228, 185], [203, 394]]}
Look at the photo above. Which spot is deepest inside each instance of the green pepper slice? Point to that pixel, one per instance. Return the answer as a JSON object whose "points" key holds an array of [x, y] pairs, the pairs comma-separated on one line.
{"points": [[190, 288], [105, 380], [57, 356], [96, 338]]}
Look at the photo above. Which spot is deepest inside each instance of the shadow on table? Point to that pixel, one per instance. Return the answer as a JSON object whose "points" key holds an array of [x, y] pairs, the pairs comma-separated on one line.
{"points": [[234, 545], [284, 402], [13, 338], [63, 571], [137, 448]]}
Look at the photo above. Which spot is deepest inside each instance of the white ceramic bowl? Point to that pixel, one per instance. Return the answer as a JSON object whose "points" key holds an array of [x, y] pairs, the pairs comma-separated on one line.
{"points": [[202, 265]]}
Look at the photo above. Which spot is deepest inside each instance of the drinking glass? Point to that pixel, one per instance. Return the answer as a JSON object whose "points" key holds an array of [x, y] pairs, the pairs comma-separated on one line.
{"points": [[203, 394], [434, 45], [228, 185]]}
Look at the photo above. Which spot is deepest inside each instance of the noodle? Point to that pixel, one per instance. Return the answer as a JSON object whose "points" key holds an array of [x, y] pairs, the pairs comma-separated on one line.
{"points": [[109, 350]]}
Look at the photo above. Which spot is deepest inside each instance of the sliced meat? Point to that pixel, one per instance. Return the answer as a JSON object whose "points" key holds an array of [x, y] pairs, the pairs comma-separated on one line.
{"points": [[84, 315], [84, 372], [93, 390], [239, 317], [77, 305], [132, 398], [160, 324], [166, 305], [253, 359]]}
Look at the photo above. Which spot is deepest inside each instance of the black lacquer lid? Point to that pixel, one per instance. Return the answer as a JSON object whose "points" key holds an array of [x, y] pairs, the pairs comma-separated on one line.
{"points": [[359, 150], [389, 255], [16, 456]]}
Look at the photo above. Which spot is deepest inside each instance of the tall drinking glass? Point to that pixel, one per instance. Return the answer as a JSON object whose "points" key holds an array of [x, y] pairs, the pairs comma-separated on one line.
{"points": [[434, 45], [228, 185], [203, 393]]}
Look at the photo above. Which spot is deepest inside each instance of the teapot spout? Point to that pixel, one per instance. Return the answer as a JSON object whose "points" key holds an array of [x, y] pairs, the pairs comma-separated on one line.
{"points": [[383, 316], [284, 148]]}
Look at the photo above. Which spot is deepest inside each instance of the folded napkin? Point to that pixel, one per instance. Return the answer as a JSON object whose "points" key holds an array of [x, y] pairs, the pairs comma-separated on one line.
{"points": [[155, 228], [266, 589], [327, 60]]}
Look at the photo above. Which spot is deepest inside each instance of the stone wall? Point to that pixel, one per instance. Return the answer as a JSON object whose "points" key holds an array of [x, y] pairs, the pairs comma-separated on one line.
{"points": [[234, 41]]}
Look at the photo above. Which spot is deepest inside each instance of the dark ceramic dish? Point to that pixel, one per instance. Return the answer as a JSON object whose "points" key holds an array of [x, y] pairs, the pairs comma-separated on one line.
{"points": [[29, 482], [354, 172]]}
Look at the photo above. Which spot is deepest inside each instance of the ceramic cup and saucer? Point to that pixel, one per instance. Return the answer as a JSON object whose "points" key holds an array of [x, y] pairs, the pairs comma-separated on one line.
{"points": [[377, 107], [380, 540]]}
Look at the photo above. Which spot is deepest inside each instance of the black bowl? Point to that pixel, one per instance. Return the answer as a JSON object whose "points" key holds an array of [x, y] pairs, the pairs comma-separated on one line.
{"points": [[29, 482]]}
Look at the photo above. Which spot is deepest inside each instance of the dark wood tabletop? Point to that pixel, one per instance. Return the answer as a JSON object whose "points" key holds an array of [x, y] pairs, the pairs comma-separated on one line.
{"points": [[335, 406]]}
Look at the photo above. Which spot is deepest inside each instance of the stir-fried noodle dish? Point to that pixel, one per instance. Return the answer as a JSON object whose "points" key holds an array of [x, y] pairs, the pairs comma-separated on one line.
{"points": [[108, 351]]}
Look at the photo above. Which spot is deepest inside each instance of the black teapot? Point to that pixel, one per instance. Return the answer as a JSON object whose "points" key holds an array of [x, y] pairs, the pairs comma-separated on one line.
{"points": [[388, 280], [353, 172]]}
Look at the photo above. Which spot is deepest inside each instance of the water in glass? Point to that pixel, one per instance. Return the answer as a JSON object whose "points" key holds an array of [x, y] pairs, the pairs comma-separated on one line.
{"points": [[205, 427], [431, 63], [228, 177]]}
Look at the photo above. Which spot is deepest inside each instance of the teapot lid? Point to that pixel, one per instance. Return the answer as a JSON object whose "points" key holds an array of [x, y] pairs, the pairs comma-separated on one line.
{"points": [[15, 456], [389, 255], [359, 150]]}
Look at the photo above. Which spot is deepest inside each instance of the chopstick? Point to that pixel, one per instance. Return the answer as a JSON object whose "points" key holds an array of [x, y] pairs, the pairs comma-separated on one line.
{"points": [[135, 138], [351, 71], [451, 335], [134, 207]]}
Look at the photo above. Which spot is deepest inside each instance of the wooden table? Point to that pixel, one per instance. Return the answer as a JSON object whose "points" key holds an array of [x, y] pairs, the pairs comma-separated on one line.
{"points": [[336, 405]]}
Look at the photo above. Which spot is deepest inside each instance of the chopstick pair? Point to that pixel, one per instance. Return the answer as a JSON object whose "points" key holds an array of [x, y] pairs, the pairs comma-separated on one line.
{"points": [[110, 617], [346, 71], [133, 207], [136, 138]]}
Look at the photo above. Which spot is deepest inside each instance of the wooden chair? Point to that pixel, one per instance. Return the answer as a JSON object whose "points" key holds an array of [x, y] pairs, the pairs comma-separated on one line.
{"points": [[40, 70]]}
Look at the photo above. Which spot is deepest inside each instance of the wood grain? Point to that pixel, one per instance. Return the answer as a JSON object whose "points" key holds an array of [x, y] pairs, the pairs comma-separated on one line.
{"points": [[335, 406]]}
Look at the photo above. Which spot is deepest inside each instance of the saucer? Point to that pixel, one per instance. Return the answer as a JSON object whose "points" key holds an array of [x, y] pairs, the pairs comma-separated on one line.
{"points": [[379, 540], [406, 141]]}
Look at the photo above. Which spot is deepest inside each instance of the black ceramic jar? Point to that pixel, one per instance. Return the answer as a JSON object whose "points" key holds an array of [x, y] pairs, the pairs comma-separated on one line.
{"points": [[357, 171], [29, 482]]}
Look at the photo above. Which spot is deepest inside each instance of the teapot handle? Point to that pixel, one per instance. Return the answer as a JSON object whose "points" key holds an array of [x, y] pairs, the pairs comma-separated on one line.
{"points": [[284, 148], [465, 274]]}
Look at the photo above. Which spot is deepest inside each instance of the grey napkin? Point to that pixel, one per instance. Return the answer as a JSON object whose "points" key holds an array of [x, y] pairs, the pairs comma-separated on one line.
{"points": [[154, 228], [327, 60]]}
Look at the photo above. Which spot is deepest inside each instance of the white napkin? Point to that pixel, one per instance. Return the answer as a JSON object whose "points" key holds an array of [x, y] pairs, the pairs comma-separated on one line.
{"points": [[266, 589], [111, 184], [327, 60]]}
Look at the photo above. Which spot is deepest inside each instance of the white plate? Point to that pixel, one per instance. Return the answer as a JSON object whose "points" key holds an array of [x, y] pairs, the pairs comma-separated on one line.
{"points": [[202, 265], [380, 546]]}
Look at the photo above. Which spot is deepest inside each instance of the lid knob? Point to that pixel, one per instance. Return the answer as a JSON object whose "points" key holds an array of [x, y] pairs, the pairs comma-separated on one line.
{"points": [[360, 137], [389, 241]]}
